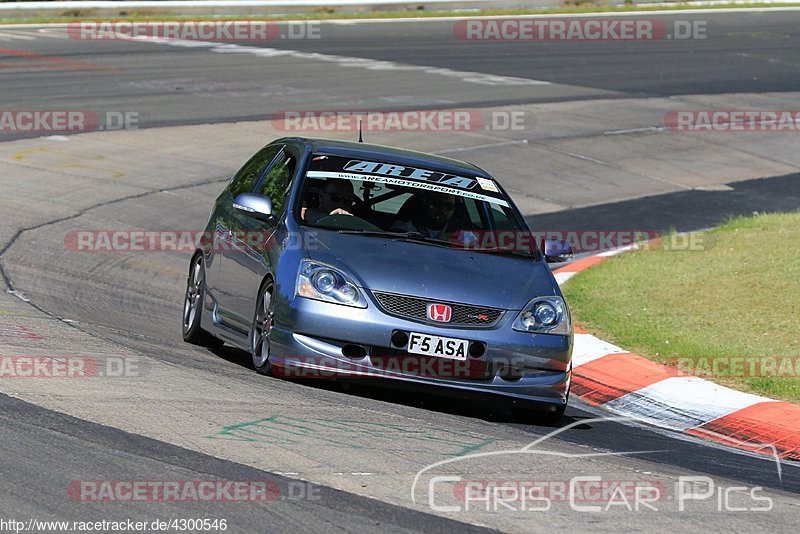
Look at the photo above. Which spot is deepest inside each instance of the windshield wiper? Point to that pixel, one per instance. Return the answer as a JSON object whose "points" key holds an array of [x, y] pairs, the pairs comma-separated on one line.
{"points": [[402, 236], [419, 237], [505, 252], [376, 233]]}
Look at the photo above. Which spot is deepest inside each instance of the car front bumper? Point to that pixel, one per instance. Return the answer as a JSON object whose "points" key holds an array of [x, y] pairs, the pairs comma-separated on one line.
{"points": [[313, 339]]}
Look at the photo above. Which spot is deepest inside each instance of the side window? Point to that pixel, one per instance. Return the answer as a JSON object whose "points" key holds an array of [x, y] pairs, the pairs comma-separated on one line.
{"points": [[245, 179], [502, 221], [473, 213], [276, 182]]}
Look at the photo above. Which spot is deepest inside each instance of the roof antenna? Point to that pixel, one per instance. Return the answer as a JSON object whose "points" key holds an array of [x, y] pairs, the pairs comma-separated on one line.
{"points": [[360, 138]]}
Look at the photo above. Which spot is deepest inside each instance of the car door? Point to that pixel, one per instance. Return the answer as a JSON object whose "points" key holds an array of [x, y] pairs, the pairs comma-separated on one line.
{"points": [[227, 232], [246, 263]]}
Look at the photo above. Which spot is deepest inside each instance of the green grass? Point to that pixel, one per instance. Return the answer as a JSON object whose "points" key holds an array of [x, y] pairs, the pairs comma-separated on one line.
{"points": [[329, 14], [737, 297]]}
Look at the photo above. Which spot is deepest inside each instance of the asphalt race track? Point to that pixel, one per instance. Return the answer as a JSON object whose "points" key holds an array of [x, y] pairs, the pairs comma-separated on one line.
{"points": [[594, 153], [753, 53]]}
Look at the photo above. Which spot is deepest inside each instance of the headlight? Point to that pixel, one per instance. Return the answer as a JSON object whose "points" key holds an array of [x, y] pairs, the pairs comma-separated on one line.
{"points": [[322, 282], [544, 315]]}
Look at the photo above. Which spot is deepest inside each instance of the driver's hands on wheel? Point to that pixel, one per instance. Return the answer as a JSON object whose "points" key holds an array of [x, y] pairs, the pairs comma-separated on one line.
{"points": [[340, 211]]}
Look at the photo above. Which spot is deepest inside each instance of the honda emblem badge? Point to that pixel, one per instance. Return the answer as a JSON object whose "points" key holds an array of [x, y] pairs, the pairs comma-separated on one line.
{"points": [[440, 312]]}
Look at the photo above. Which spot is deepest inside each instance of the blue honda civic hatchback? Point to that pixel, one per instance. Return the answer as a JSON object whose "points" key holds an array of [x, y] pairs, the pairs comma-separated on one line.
{"points": [[337, 259]]}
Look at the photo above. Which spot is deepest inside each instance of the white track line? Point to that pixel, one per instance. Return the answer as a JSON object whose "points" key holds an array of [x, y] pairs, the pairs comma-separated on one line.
{"points": [[11, 36], [346, 61], [477, 147]]}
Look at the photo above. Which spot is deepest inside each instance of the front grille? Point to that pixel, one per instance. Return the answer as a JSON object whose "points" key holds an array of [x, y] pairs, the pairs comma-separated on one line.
{"points": [[415, 308]]}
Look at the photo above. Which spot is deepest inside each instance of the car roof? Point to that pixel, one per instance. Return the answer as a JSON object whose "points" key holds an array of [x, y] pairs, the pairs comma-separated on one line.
{"points": [[366, 150]]}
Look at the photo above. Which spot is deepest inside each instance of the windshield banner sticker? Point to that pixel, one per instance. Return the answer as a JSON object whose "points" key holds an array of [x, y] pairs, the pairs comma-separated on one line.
{"points": [[406, 183], [400, 171]]}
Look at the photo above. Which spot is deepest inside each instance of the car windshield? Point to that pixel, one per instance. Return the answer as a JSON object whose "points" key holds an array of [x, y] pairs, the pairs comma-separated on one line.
{"points": [[382, 199]]}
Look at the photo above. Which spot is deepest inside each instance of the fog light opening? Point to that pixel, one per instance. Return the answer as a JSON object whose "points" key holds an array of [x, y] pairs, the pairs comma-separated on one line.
{"points": [[477, 349], [399, 339], [510, 373], [355, 352]]}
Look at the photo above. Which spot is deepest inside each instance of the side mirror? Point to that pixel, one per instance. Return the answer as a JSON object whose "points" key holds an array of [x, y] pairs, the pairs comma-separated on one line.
{"points": [[557, 251], [256, 206]]}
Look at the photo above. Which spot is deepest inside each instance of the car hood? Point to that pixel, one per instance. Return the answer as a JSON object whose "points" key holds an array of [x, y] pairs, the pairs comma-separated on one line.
{"points": [[429, 271]]}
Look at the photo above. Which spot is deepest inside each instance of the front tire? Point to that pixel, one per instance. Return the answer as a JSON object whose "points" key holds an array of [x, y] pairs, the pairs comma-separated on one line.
{"points": [[193, 306], [262, 325]]}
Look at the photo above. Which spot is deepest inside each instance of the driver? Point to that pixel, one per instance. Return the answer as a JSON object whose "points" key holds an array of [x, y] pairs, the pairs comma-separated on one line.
{"points": [[336, 197]]}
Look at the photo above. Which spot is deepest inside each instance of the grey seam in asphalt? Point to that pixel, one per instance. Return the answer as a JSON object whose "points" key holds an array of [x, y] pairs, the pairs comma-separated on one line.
{"points": [[7, 279]]}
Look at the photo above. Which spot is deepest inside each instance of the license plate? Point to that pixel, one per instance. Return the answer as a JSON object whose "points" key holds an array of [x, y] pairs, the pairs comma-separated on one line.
{"points": [[443, 347]]}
